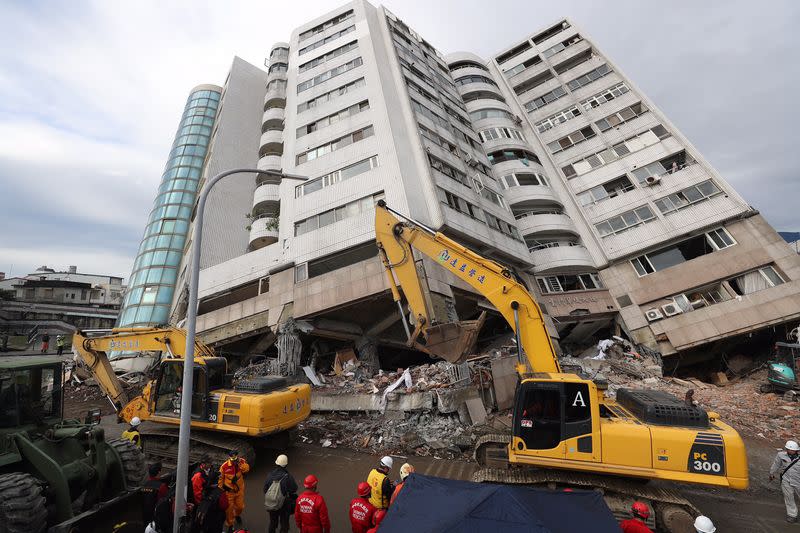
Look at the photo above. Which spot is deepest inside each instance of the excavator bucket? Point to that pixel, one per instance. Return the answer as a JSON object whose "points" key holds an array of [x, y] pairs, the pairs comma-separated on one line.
{"points": [[452, 341]]}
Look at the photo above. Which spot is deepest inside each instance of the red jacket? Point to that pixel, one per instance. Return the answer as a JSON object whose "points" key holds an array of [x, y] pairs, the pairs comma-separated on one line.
{"points": [[361, 512], [198, 484], [396, 492], [634, 525], [311, 513]]}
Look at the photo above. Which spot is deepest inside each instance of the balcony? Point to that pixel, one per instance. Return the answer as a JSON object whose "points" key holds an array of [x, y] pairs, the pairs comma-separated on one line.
{"points": [[263, 232], [272, 119], [276, 96], [278, 55], [276, 74], [271, 143], [568, 53], [269, 162], [266, 197], [560, 256], [464, 90], [541, 220], [529, 194]]}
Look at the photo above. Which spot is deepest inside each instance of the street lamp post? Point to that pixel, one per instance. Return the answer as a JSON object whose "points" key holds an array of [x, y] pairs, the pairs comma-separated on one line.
{"points": [[191, 321]]}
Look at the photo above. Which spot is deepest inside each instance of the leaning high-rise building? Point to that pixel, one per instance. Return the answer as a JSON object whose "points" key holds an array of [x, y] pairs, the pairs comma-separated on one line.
{"points": [[544, 157]]}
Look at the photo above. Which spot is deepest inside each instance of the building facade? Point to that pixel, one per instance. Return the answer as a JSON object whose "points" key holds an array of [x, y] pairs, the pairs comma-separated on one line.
{"points": [[544, 157]]}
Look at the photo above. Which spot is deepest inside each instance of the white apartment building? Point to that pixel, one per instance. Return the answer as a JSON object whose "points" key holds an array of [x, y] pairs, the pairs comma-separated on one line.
{"points": [[545, 158]]}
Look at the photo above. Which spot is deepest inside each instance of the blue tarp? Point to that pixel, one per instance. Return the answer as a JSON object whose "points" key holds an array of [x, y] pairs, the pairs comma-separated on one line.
{"points": [[435, 505]]}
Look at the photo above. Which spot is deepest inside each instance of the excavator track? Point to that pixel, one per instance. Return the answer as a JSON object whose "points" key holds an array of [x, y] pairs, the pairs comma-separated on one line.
{"points": [[161, 444], [673, 512]]}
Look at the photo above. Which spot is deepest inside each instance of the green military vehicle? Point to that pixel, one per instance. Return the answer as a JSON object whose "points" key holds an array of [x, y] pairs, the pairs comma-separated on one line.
{"points": [[60, 475]]}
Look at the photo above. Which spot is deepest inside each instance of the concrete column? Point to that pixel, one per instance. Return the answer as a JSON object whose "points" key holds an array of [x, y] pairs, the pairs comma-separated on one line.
{"points": [[368, 355], [290, 348]]}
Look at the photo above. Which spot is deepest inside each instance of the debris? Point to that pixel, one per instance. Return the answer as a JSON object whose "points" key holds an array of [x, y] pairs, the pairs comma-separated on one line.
{"points": [[477, 412], [719, 379], [326, 443], [650, 381], [312, 376], [345, 359]]}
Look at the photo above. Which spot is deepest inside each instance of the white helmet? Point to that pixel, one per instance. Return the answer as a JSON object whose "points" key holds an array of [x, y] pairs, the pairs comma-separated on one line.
{"points": [[703, 524], [387, 462], [135, 421], [792, 445], [282, 460]]}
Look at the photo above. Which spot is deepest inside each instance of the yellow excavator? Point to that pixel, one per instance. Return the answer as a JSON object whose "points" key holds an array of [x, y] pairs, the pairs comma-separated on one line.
{"points": [[226, 414], [565, 430]]}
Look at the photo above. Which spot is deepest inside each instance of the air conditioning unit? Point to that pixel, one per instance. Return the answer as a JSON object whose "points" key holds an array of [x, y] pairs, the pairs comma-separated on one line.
{"points": [[671, 309], [652, 180], [653, 315]]}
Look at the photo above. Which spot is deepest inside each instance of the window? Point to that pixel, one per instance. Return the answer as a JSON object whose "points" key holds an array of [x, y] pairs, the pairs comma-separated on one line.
{"points": [[278, 67], [573, 62], [535, 60], [687, 250], [571, 140], [630, 145], [449, 171], [621, 116], [474, 78], [326, 40], [625, 221], [522, 179], [438, 140], [332, 95], [301, 272], [550, 32], [458, 65], [482, 95], [558, 118], [276, 84], [755, 281], [342, 212], [327, 57], [533, 82], [589, 77], [514, 52], [607, 190], [490, 113], [336, 144], [561, 46], [326, 25], [331, 119], [690, 195], [501, 156], [493, 134], [540, 244], [546, 98], [568, 283], [668, 165], [325, 76], [342, 259], [427, 112], [336, 176], [493, 197], [605, 96]]}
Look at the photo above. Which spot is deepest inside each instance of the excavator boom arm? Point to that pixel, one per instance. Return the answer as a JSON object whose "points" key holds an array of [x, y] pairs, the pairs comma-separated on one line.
{"points": [[93, 351], [398, 239]]}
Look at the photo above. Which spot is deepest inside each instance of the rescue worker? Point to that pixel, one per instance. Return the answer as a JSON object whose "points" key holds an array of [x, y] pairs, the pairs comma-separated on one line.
{"points": [[210, 511], [132, 433], [785, 465], [361, 511], [200, 479], [703, 524], [45, 342], [380, 485], [377, 518], [405, 470], [153, 490], [636, 524], [231, 480], [311, 512], [60, 344], [279, 518]]}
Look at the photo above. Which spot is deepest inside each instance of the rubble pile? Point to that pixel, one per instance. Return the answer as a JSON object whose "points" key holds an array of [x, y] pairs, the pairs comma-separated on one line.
{"points": [[352, 379], [80, 397], [420, 434]]}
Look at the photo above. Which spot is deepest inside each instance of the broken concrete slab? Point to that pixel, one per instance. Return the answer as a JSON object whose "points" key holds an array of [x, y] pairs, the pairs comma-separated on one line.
{"points": [[504, 380], [415, 401], [449, 400], [719, 379], [477, 412]]}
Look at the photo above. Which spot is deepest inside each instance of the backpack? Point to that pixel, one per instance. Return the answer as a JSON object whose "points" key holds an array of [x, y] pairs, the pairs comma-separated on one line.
{"points": [[274, 497]]}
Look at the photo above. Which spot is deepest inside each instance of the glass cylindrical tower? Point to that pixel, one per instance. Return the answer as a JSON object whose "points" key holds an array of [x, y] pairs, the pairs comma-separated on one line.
{"points": [[152, 281]]}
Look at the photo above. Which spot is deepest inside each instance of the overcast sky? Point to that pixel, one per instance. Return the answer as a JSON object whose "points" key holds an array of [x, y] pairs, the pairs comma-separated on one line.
{"points": [[91, 94]]}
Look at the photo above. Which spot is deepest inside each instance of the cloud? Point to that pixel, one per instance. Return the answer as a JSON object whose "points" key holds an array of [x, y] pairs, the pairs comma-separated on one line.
{"points": [[90, 97]]}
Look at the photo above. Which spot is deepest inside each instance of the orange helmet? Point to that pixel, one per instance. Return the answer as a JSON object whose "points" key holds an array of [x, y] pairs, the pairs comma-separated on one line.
{"points": [[311, 481], [378, 517], [640, 509], [363, 489]]}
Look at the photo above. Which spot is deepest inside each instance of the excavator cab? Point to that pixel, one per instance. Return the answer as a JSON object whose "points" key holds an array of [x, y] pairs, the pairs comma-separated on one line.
{"points": [[168, 390], [555, 419]]}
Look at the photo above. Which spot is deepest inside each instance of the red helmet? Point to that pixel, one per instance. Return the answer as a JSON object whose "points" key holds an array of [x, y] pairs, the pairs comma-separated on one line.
{"points": [[640, 509], [363, 489], [311, 481], [378, 517]]}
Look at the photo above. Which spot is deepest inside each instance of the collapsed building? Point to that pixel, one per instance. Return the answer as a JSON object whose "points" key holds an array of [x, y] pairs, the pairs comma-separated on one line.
{"points": [[545, 158]]}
